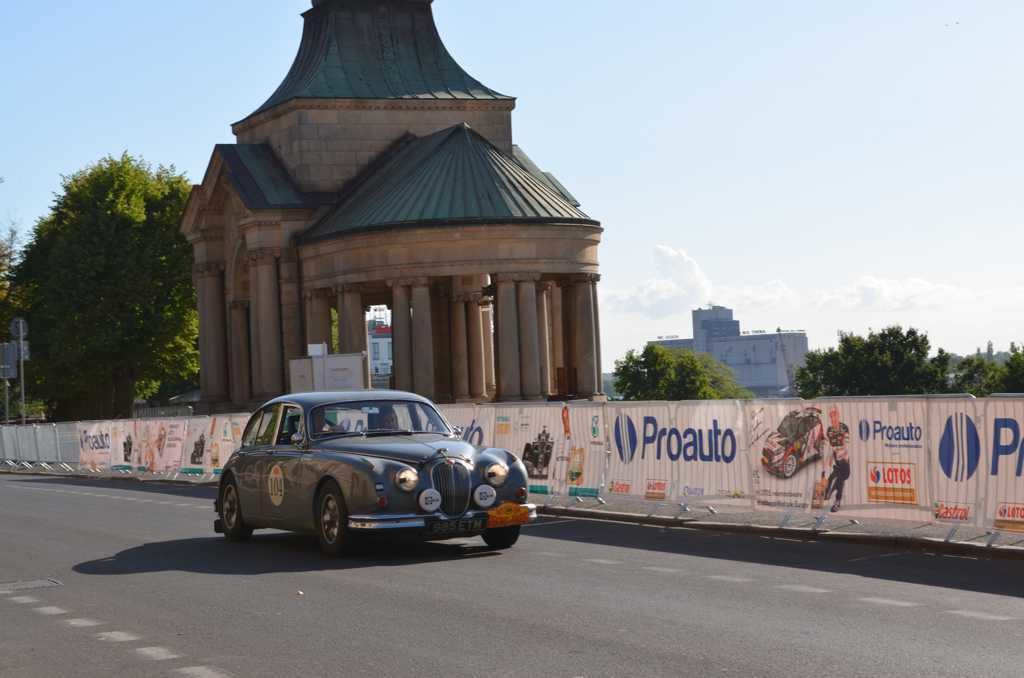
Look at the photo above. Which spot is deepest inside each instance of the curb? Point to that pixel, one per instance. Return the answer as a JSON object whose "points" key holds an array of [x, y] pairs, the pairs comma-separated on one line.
{"points": [[923, 544]]}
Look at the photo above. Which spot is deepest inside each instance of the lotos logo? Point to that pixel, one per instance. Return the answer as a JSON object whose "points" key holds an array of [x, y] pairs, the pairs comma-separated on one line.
{"points": [[891, 482], [1010, 517], [715, 444], [955, 512], [960, 448], [625, 439], [876, 475]]}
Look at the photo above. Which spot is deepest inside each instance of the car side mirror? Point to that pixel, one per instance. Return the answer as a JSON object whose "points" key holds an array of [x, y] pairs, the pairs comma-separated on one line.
{"points": [[298, 440], [458, 431]]}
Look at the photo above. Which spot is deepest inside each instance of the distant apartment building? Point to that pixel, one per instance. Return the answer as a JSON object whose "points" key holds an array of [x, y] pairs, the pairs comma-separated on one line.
{"points": [[379, 345], [764, 362]]}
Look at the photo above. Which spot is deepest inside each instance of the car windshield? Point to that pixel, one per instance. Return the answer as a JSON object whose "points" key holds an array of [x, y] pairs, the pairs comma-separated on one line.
{"points": [[376, 417]]}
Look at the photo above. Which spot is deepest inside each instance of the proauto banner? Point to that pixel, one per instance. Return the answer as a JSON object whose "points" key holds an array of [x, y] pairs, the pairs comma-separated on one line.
{"points": [[94, 445], [1003, 470], [686, 452]]}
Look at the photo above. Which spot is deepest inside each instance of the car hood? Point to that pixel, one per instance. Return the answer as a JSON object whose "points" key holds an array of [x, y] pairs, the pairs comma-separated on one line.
{"points": [[415, 449]]}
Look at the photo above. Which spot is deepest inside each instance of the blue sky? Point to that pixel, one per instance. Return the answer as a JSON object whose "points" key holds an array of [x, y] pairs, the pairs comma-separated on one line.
{"points": [[818, 165]]}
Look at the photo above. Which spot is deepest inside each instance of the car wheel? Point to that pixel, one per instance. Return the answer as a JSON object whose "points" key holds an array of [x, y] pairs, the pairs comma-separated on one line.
{"points": [[502, 537], [789, 466], [231, 517], [332, 520]]}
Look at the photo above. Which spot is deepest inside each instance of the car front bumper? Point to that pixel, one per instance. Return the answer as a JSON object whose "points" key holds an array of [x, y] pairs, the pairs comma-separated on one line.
{"points": [[394, 521]]}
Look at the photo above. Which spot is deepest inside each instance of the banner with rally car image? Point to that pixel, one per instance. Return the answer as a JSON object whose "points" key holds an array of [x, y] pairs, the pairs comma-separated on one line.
{"points": [[686, 452], [210, 442]]}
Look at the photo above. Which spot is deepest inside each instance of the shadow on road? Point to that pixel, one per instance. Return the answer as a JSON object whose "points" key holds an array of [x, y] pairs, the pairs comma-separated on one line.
{"points": [[273, 553], [129, 484], [997, 576]]}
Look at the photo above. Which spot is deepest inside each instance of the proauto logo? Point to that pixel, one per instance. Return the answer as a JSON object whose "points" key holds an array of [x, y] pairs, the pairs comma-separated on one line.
{"points": [[864, 429], [959, 448], [715, 444], [625, 439], [901, 435]]}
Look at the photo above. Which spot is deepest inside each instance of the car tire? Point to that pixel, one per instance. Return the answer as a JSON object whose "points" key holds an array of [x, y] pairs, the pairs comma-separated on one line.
{"points": [[235, 528], [502, 537], [790, 466], [332, 520]]}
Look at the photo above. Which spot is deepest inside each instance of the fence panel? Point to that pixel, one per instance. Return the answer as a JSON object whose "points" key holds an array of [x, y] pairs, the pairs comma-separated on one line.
{"points": [[635, 469], [956, 430], [1002, 506]]}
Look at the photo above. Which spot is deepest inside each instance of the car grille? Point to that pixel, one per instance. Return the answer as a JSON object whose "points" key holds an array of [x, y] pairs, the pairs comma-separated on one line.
{"points": [[452, 480]]}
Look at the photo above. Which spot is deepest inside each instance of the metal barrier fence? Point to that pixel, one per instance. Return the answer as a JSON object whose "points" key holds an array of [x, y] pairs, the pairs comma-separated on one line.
{"points": [[956, 461]]}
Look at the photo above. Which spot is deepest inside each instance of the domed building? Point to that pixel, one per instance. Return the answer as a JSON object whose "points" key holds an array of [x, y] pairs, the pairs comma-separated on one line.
{"points": [[380, 173]]}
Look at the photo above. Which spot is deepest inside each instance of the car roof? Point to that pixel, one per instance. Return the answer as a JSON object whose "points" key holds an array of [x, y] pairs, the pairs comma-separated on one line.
{"points": [[308, 400]]}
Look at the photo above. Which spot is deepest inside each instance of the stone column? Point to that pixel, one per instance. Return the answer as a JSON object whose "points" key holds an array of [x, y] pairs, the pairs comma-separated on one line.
{"points": [[318, 317], [597, 335], [557, 337], [290, 306], [213, 359], [477, 353], [460, 349], [487, 320], [266, 320], [586, 339], [241, 371], [507, 330], [401, 336], [351, 320], [544, 338], [422, 340], [529, 344]]}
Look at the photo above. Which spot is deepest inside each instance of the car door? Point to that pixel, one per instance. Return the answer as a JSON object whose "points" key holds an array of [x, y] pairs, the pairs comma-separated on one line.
{"points": [[244, 467], [257, 457], [286, 501]]}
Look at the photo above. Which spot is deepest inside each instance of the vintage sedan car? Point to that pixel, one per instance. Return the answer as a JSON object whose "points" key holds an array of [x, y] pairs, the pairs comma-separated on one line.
{"points": [[342, 464]]}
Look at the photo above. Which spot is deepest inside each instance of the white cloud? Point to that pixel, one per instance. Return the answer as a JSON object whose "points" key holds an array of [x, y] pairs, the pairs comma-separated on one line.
{"points": [[681, 285], [870, 293]]}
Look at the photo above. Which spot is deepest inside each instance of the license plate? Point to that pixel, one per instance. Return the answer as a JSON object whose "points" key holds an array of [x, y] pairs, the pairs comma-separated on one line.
{"points": [[444, 527]]}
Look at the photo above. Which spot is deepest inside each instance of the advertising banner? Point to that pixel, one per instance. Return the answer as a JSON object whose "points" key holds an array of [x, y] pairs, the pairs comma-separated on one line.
{"points": [[956, 440], [211, 441], [634, 469], [876, 458], [1003, 466], [541, 435], [94, 440], [586, 440], [787, 448]]}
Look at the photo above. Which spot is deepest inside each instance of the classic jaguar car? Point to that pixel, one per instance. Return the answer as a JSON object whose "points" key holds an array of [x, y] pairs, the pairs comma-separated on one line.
{"points": [[342, 464]]}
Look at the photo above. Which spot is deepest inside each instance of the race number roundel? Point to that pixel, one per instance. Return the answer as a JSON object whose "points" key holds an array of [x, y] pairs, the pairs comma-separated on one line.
{"points": [[275, 485]]}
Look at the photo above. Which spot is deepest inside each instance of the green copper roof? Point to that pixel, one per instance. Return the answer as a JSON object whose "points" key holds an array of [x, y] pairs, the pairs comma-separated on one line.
{"points": [[451, 177], [261, 181], [375, 49]]}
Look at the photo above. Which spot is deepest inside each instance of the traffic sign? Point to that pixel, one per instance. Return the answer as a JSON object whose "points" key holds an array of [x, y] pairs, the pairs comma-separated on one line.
{"points": [[19, 328]]}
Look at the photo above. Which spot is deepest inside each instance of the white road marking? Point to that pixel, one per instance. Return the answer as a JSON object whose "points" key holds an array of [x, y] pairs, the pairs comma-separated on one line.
{"points": [[157, 654], [662, 570], [602, 561], [550, 522], [734, 580], [82, 622], [117, 636], [798, 588], [51, 611], [23, 600], [201, 672], [984, 616], [889, 602], [550, 554], [873, 556]]}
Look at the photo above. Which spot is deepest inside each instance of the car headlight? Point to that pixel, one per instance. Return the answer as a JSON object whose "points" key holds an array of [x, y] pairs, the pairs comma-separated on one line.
{"points": [[496, 474], [407, 479]]}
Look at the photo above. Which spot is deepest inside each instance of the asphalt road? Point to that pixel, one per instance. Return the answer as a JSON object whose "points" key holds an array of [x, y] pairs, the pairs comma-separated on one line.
{"points": [[146, 589]]}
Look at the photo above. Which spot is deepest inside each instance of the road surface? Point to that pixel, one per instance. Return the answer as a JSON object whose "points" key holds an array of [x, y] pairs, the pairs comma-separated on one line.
{"points": [[142, 587]]}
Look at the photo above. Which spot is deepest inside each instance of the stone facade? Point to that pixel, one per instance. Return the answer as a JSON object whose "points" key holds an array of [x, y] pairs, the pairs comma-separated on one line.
{"points": [[501, 305]]}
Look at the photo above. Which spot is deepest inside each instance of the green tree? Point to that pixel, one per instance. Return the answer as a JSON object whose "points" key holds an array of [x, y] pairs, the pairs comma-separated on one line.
{"points": [[890, 362], [105, 284], [660, 373], [1013, 377], [979, 376]]}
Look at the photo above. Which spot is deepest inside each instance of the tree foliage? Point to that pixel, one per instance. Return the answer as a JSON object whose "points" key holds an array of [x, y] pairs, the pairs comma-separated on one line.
{"points": [[891, 362], [660, 373], [105, 284]]}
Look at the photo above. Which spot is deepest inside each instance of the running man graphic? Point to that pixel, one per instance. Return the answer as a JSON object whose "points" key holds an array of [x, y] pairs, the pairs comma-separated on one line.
{"points": [[838, 435]]}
